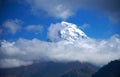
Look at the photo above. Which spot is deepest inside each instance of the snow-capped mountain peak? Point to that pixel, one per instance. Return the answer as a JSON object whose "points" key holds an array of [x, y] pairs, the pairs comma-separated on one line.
{"points": [[66, 31]]}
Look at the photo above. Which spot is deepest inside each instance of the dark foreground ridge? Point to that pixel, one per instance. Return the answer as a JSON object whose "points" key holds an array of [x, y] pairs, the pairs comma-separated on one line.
{"points": [[112, 69], [51, 69]]}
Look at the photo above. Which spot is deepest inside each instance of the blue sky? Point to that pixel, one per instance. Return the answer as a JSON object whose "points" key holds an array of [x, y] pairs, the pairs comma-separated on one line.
{"points": [[25, 27], [98, 23]]}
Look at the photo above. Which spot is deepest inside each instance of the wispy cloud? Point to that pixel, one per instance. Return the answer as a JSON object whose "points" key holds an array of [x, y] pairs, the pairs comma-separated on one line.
{"points": [[1, 31], [35, 28], [12, 26], [66, 8], [84, 26], [53, 8], [9, 63]]}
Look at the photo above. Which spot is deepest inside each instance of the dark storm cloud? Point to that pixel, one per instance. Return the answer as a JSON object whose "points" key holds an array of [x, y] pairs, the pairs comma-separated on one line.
{"points": [[110, 7]]}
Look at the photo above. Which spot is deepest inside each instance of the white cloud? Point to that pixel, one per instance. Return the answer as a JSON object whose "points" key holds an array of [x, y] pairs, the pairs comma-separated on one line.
{"points": [[60, 9], [12, 25], [84, 26], [66, 8], [9, 63], [53, 32], [35, 28], [93, 51]]}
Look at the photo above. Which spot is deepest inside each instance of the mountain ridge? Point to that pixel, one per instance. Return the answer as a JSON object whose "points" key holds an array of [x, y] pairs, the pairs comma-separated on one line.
{"points": [[47, 69], [112, 69]]}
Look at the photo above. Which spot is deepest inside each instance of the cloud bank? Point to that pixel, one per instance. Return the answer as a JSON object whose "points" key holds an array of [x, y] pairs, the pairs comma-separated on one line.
{"points": [[25, 52], [65, 8]]}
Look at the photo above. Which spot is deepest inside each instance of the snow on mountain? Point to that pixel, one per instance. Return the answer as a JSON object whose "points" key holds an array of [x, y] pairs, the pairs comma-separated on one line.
{"points": [[65, 31]]}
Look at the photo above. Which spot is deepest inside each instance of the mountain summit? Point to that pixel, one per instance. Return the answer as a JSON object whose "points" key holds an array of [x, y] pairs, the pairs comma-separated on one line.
{"points": [[65, 31]]}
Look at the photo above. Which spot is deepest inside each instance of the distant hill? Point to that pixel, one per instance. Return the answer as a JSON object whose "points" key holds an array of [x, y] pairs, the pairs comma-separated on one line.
{"points": [[112, 69], [51, 69], [80, 72]]}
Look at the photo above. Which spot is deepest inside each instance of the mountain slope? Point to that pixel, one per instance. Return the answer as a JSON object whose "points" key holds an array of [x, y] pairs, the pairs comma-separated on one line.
{"points": [[80, 72], [110, 70], [47, 69]]}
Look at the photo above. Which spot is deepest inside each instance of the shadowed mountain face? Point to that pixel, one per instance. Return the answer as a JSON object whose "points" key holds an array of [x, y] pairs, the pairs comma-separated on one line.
{"points": [[51, 69], [112, 69]]}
